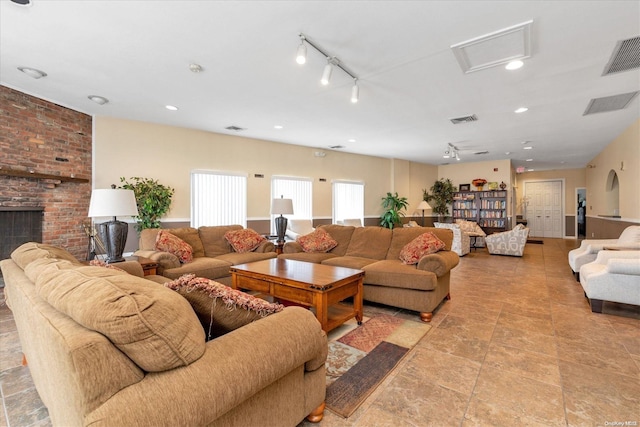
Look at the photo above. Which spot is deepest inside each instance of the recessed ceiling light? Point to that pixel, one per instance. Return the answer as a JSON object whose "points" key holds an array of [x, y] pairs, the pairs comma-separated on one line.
{"points": [[32, 72], [351, 140], [195, 68], [521, 110], [529, 160], [525, 142], [100, 100], [507, 152], [171, 107], [278, 127], [530, 170], [514, 65], [528, 147]]}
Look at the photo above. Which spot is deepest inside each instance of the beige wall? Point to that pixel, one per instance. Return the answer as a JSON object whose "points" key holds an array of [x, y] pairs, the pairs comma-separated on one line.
{"points": [[624, 149], [130, 148], [573, 178]]}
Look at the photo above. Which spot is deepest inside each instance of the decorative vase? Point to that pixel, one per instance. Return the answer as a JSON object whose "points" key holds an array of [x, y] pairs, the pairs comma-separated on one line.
{"points": [[503, 185], [479, 183]]}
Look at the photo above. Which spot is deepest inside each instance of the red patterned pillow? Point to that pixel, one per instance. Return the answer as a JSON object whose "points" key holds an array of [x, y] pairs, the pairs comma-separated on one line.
{"points": [[244, 240], [422, 245], [168, 242], [317, 241], [220, 308]]}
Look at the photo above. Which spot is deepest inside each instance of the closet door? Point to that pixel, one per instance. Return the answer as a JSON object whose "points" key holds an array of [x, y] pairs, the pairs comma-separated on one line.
{"points": [[544, 212]]}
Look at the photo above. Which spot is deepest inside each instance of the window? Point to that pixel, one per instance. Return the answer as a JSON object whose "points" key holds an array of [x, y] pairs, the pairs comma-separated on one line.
{"points": [[299, 190], [218, 198], [348, 201]]}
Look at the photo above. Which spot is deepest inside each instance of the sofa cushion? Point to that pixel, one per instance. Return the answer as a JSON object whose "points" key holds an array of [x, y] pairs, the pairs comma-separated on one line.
{"points": [[244, 240], [341, 234], [211, 268], [349, 261], [393, 273], [153, 326], [425, 244], [369, 242], [317, 241], [168, 242], [317, 257], [213, 239], [402, 236], [220, 308], [242, 258], [191, 236], [28, 252]]}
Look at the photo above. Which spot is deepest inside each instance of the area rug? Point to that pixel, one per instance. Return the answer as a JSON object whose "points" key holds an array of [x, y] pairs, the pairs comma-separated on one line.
{"points": [[361, 359]]}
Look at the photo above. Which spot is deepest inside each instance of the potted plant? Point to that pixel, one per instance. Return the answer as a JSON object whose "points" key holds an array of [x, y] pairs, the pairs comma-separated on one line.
{"points": [[393, 205], [442, 195], [153, 200]]}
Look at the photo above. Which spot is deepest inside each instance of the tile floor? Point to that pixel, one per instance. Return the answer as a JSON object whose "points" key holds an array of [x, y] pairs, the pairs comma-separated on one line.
{"points": [[516, 345]]}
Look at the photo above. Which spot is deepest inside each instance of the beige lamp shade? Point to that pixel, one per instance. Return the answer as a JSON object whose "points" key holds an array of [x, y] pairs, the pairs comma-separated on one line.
{"points": [[282, 207], [423, 206], [112, 202]]}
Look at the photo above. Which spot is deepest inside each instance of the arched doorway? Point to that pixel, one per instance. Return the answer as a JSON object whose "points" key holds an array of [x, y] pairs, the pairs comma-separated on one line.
{"points": [[612, 194]]}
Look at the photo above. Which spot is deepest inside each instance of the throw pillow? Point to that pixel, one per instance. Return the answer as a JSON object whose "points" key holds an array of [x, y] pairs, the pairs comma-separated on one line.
{"points": [[220, 308], [168, 242], [422, 245], [99, 263], [317, 241], [244, 240]]}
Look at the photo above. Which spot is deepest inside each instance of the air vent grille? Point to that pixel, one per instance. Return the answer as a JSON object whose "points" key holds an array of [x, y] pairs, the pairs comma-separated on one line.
{"points": [[336, 147], [609, 103], [464, 119], [625, 57], [480, 153], [235, 128]]}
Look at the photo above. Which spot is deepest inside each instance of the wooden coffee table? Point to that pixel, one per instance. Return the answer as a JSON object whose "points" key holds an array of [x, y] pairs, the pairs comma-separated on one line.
{"points": [[313, 285]]}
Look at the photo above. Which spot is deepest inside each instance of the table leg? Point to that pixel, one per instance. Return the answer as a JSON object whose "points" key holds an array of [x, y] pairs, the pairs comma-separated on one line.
{"points": [[322, 309], [357, 301]]}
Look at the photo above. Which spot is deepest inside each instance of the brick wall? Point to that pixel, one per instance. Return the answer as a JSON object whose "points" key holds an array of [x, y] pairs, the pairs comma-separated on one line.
{"points": [[39, 136]]}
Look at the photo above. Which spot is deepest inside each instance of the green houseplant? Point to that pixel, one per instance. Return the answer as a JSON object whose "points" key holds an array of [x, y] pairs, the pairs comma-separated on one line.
{"points": [[441, 193], [393, 206], [153, 200]]}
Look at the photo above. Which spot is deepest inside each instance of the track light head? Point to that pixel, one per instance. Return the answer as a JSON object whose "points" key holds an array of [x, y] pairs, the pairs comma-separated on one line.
{"points": [[326, 74], [301, 56], [355, 92]]}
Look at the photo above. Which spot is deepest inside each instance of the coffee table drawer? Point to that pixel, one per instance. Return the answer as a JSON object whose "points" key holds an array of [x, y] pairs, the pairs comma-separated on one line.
{"points": [[245, 282], [292, 294]]}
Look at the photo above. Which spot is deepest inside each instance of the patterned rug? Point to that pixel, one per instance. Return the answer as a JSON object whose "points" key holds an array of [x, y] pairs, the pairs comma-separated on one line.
{"points": [[361, 359]]}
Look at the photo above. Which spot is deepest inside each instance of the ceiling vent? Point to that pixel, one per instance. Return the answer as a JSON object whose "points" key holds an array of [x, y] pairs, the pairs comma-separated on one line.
{"points": [[464, 119], [609, 103], [336, 147], [625, 57], [235, 128], [497, 48], [481, 153]]}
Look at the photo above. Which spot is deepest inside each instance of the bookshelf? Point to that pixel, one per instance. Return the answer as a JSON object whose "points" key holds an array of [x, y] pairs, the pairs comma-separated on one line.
{"points": [[487, 208]]}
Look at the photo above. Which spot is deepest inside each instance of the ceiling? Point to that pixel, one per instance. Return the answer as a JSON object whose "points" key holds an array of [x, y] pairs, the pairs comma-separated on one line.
{"points": [[137, 55]]}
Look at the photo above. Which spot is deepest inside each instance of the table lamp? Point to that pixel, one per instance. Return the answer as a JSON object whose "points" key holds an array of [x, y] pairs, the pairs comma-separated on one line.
{"points": [[283, 207], [113, 202], [423, 206]]}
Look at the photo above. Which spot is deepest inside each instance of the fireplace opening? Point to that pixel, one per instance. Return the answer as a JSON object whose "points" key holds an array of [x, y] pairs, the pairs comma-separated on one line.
{"points": [[17, 226]]}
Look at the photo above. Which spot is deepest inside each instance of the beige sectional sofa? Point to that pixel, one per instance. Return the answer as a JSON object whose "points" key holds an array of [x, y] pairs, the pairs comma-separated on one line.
{"points": [[376, 250], [212, 254], [108, 348]]}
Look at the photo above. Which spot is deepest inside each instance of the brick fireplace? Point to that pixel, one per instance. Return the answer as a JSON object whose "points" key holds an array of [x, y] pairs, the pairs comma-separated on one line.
{"points": [[45, 167]]}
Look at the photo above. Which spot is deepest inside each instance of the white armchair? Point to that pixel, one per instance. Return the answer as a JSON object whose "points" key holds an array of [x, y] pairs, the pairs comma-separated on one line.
{"points": [[461, 241], [298, 227], [510, 242], [613, 276], [589, 248]]}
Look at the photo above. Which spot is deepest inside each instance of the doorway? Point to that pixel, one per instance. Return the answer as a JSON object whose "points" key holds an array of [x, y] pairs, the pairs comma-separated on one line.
{"points": [[544, 210], [581, 217]]}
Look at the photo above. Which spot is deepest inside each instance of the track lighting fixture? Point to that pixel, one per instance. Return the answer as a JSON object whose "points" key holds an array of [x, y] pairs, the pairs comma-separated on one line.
{"points": [[326, 74], [301, 58], [452, 152], [355, 91]]}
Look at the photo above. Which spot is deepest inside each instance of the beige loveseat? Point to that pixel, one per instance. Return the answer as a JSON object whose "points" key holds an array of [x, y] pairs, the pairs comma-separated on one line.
{"points": [[212, 254], [376, 251], [107, 348]]}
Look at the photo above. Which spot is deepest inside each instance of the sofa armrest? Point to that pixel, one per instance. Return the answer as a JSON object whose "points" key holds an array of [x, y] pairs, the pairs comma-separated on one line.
{"points": [[165, 259], [603, 256], [266, 246], [233, 368], [291, 248], [132, 267], [629, 266], [595, 246], [439, 263]]}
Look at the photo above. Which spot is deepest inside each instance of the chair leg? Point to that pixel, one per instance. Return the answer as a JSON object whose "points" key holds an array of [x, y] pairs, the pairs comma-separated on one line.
{"points": [[426, 317], [596, 305], [317, 414]]}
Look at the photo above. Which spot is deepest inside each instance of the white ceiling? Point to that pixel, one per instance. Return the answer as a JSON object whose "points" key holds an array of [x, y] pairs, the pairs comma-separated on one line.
{"points": [[137, 54]]}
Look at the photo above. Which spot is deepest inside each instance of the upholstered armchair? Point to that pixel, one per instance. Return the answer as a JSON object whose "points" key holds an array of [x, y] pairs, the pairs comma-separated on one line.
{"points": [[510, 242], [298, 227], [474, 231], [613, 276], [461, 241], [589, 248]]}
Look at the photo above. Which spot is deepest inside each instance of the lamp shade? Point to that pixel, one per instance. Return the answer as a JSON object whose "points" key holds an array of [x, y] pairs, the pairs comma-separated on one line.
{"points": [[112, 202], [423, 205], [282, 207]]}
